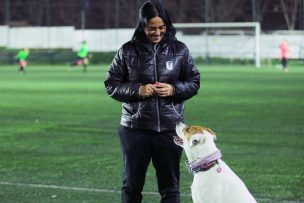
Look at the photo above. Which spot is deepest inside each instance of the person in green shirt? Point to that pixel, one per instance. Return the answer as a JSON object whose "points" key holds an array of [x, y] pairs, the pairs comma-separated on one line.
{"points": [[82, 56], [21, 57]]}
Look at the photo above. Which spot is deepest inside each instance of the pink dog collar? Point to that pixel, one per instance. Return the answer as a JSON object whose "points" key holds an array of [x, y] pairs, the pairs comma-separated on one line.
{"points": [[204, 164]]}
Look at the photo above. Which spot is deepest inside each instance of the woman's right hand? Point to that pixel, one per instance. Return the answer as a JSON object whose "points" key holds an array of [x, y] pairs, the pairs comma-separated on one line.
{"points": [[146, 90]]}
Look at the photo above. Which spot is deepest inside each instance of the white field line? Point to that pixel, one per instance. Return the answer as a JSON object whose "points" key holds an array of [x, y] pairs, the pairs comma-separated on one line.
{"points": [[107, 190], [74, 188]]}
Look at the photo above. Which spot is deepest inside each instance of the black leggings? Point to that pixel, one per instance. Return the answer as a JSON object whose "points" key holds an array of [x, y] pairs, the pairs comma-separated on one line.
{"points": [[139, 147], [284, 62]]}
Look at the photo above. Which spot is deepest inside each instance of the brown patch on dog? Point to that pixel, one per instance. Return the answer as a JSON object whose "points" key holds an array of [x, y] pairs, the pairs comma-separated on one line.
{"points": [[189, 131]]}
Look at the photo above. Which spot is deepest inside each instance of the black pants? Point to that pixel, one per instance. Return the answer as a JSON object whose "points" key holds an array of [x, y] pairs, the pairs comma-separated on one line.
{"points": [[284, 62], [139, 147]]}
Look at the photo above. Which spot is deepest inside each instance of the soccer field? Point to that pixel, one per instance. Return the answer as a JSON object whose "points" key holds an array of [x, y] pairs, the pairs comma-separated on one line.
{"points": [[59, 143]]}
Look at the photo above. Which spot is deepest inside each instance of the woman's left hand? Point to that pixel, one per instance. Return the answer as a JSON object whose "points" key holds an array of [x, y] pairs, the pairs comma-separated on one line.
{"points": [[164, 89]]}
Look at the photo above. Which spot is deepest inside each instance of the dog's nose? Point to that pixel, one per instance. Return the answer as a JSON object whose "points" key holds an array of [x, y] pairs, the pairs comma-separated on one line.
{"points": [[179, 124]]}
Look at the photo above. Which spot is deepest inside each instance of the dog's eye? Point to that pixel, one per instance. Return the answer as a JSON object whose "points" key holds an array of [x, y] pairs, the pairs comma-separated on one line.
{"points": [[187, 129], [195, 141]]}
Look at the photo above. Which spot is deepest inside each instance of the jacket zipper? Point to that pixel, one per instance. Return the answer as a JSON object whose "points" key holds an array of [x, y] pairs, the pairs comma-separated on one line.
{"points": [[156, 79]]}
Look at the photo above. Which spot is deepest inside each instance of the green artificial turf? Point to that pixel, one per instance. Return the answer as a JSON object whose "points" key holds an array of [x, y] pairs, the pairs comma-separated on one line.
{"points": [[58, 133]]}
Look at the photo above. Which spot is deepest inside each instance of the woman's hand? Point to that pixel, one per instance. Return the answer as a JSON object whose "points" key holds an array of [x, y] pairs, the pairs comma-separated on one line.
{"points": [[147, 90], [163, 89]]}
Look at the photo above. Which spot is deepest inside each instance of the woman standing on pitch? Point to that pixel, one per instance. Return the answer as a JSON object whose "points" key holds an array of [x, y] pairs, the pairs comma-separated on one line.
{"points": [[284, 52], [152, 75]]}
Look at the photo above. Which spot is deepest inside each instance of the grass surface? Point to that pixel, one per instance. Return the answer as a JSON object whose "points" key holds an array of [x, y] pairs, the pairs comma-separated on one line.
{"points": [[59, 143]]}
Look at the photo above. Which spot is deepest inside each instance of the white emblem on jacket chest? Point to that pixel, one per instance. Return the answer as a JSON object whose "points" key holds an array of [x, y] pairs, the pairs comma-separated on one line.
{"points": [[169, 65]]}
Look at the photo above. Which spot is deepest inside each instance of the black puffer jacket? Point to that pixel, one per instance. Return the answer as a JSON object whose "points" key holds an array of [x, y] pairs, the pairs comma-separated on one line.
{"points": [[144, 63]]}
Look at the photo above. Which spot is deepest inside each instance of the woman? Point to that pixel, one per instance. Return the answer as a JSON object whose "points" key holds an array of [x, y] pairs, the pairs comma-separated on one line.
{"points": [[152, 75], [284, 52]]}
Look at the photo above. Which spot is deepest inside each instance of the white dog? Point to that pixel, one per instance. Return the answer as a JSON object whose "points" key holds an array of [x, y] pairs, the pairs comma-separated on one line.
{"points": [[214, 181]]}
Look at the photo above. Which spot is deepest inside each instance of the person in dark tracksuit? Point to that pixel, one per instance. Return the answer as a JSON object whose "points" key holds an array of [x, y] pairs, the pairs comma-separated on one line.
{"points": [[152, 75]]}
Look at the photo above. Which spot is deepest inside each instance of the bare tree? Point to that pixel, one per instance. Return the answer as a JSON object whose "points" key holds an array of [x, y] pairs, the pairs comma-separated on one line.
{"points": [[66, 13], [101, 14], [290, 8], [129, 13], [35, 9], [185, 11], [261, 6], [226, 11]]}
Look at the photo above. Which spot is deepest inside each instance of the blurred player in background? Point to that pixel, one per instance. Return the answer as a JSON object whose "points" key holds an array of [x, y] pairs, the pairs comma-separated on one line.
{"points": [[21, 58], [284, 52], [82, 56]]}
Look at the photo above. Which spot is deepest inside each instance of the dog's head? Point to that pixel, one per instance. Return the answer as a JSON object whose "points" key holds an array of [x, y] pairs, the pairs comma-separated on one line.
{"points": [[197, 141]]}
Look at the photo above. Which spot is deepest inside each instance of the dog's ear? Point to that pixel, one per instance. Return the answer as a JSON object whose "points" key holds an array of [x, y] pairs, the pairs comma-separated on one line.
{"points": [[178, 141], [211, 132]]}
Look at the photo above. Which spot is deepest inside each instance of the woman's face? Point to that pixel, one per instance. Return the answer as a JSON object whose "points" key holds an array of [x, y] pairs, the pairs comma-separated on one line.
{"points": [[155, 29]]}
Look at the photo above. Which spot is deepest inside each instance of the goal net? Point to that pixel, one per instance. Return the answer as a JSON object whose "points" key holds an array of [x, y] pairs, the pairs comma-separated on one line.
{"points": [[216, 41]]}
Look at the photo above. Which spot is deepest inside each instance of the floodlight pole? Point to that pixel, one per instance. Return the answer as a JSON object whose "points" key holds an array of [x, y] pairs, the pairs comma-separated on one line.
{"points": [[7, 22], [48, 23], [117, 13], [84, 9], [117, 16], [206, 32], [48, 16], [83, 20], [253, 5], [303, 14], [7, 13], [82, 24]]}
